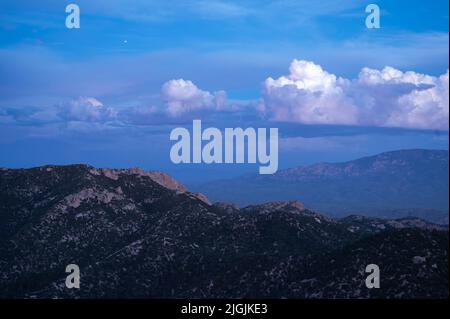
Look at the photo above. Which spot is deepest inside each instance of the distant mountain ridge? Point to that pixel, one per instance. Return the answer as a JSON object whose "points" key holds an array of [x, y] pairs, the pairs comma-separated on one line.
{"points": [[391, 185], [136, 234]]}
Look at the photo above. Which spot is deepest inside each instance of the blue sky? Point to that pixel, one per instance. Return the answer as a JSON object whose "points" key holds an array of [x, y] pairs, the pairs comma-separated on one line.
{"points": [[109, 93]]}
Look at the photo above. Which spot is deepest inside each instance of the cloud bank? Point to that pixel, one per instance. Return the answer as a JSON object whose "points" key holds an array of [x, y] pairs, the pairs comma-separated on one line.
{"points": [[307, 95], [386, 98]]}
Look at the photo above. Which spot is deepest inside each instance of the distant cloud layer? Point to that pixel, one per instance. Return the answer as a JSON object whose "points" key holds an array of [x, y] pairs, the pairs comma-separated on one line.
{"points": [[387, 97], [86, 109], [307, 95]]}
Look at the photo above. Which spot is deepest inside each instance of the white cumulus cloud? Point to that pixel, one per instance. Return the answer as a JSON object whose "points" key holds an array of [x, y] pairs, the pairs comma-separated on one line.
{"points": [[183, 96], [387, 97], [309, 95]]}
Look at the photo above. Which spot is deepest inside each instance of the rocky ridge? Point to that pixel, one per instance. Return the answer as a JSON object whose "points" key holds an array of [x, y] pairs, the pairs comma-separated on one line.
{"points": [[144, 235]]}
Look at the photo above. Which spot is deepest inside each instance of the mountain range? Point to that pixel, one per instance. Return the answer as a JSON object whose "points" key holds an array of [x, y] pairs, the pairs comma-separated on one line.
{"points": [[137, 234], [389, 185]]}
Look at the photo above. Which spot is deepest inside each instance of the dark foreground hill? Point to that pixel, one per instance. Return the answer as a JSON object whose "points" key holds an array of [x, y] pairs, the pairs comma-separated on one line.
{"points": [[389, 185], [136, 234]]}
